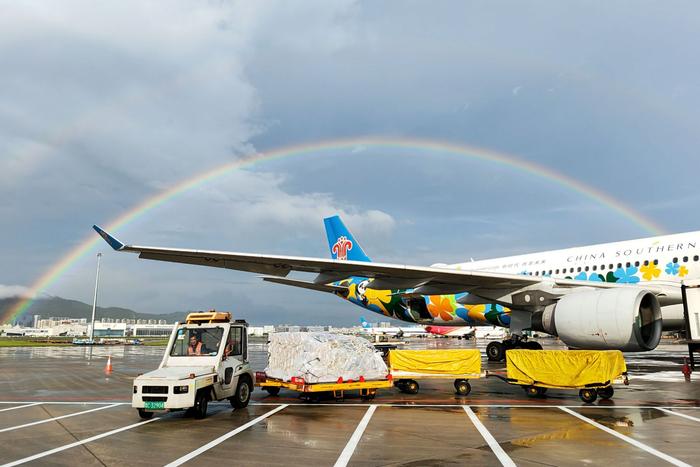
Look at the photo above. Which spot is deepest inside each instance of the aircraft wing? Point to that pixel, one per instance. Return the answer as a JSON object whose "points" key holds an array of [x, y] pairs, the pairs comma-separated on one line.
{"points": [[422, 280]]}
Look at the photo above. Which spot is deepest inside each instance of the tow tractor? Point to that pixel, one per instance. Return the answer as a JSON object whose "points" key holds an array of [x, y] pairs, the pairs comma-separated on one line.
{"points": [[206, 360]]}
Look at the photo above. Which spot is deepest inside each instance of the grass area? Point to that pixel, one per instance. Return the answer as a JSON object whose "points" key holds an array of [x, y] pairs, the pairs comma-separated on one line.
{"points": [[29, 342], [156, 342]]}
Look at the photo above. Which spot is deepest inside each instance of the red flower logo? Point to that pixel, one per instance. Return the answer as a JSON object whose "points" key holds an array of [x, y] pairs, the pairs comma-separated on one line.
{"points": [[341, 248]]}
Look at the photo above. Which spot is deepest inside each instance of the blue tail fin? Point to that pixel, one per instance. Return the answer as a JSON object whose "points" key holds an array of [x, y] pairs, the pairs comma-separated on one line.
{"points": [[341, 242], [364, 323]]}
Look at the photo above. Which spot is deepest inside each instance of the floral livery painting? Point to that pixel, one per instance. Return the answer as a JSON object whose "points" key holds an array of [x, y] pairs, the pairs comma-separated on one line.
{"points": [[633, 274]]}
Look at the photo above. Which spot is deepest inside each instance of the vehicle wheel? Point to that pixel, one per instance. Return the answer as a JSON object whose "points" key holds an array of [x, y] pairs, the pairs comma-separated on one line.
{"points": [[588, 395], [242, 395], [462, 387], [273, 390], [201, 403], [411, 387], [532, 391], [145, 414], [532, 345], [606, 392], [495, 351]]}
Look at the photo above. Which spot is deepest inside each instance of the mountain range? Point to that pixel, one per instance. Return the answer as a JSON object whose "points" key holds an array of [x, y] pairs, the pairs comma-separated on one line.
{"points": [[65, 308]]}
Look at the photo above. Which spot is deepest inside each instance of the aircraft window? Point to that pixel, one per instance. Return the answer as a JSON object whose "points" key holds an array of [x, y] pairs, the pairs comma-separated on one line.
{"points": [[610, 267], [550, 272], [696, 257], [557, 271], [537, 273], [586, 268], [579, 269], [675, 260], [685, 259], [602, 267], [636, 263], [628, 264], [595, 267], [619, 265], [656, 262]]}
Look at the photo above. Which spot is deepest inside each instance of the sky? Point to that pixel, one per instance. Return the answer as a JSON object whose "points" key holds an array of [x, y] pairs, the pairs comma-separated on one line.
{"points": [[103, 105]]}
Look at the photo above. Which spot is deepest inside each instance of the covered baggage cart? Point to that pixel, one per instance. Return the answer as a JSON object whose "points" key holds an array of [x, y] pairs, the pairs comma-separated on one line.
{"points": [[460, 365], [367, 389], [591, 371]]}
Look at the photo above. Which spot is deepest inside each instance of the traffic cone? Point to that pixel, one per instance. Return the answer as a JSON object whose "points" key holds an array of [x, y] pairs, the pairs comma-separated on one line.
{"points": [[108, 366]]}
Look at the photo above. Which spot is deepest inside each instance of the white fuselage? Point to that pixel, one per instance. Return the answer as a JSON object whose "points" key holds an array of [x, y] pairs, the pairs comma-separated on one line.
{"points": [[666, 259]]}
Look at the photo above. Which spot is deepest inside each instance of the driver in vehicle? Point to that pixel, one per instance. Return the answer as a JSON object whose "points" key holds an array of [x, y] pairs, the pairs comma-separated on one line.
{"points": [[195, 347]]}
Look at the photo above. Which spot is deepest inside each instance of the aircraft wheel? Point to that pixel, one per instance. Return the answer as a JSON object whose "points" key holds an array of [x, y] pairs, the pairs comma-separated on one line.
{"points": [[606, 392], [532, 345], [145, 414], [462, 387], [588, 395], [496, 351]]}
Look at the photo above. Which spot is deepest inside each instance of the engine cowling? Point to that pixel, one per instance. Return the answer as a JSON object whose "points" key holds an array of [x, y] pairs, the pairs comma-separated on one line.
{"points": [[627, 319]]}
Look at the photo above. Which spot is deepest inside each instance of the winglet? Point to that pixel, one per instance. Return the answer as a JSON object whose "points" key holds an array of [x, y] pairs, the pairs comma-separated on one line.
{"points": [[113, 242]]}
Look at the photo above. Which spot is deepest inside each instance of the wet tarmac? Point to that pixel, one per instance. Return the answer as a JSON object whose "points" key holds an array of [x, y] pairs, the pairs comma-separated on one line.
{"points": [[57, 407]]}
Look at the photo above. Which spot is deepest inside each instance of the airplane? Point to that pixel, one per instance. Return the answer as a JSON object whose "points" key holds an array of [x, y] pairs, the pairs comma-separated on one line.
{"points": [[460, 332], [617, 295], [405, 331]]}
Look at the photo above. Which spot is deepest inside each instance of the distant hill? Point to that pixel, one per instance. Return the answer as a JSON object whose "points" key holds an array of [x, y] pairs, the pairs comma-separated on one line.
{"points": [[61, 307]]}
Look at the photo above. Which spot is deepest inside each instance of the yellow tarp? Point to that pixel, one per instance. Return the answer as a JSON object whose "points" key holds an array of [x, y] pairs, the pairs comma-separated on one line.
{"points": [[564, 368], [436, 362]]}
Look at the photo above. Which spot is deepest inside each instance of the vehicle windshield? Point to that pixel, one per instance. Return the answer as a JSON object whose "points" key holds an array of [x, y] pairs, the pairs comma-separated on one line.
{"points": [[197, 342]]}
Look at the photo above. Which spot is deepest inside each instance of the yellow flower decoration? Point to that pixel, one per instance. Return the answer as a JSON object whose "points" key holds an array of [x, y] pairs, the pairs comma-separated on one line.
{"points": [[378, 298], [650, 271], [477, 312], [441, 307], [683, 271]]}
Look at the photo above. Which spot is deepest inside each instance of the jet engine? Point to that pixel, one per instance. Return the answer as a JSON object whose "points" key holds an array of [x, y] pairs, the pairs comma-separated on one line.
{"points": [[627, 319]]}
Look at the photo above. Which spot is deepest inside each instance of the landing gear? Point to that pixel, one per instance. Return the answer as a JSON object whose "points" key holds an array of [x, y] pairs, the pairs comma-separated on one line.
{"points": [[496, 351]]}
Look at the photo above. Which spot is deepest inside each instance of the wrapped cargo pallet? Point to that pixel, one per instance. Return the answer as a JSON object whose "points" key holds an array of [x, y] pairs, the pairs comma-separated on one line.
{"points": [[321, 357], [564, 368], [443, 362]]}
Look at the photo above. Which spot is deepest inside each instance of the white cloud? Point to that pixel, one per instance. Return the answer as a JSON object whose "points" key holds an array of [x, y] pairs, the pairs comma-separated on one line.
{"points": [[7, 291]]}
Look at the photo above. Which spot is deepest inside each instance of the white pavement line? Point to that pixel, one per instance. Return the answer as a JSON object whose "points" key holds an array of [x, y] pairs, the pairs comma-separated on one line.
{"points": [[68, 402], [17, 427], [77, 443], [21, 406], [695, 419], [627, 439], [223, 438], [355, 438], [493, 444]]}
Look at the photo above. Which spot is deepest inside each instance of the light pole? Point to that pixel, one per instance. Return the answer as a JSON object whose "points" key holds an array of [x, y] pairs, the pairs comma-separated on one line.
{"points": [[94, 299]]}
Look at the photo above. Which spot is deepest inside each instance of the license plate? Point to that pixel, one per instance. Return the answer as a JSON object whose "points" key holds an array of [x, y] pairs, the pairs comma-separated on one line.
{"points": [[154, 405]]}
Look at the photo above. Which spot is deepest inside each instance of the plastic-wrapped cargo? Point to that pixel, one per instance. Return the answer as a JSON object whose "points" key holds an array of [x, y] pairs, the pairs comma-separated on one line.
{"points": [[322, 357]]}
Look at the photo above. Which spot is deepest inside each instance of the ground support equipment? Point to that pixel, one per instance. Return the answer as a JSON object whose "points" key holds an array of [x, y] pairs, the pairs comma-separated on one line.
{"points": [[409, 366]]}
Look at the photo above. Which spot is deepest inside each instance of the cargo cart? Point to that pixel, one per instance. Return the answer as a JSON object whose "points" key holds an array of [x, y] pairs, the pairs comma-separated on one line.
{"points": [[314, 391], [460, 365], [591, 372]]}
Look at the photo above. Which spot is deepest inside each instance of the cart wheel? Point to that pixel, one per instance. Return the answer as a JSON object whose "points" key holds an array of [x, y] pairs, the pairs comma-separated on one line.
{"points": [[411, 387], [272, 390], [541, 391], [588, 395], [367, 397], [462, 387], [201, 403], [145, 414], [532, 391], [606, 392], [495, 351]]}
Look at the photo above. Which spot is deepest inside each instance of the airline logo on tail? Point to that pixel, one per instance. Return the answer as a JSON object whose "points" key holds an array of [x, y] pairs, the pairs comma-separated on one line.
{"points": [[341, 248], [364, 323]]}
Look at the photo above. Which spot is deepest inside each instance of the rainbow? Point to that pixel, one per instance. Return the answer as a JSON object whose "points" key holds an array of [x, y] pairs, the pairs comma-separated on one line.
{"points": [[51, 275]]}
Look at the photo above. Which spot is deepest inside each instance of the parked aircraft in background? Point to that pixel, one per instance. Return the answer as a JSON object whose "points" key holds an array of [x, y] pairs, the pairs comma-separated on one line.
{"points": [[392, 331], [608, 296]]}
